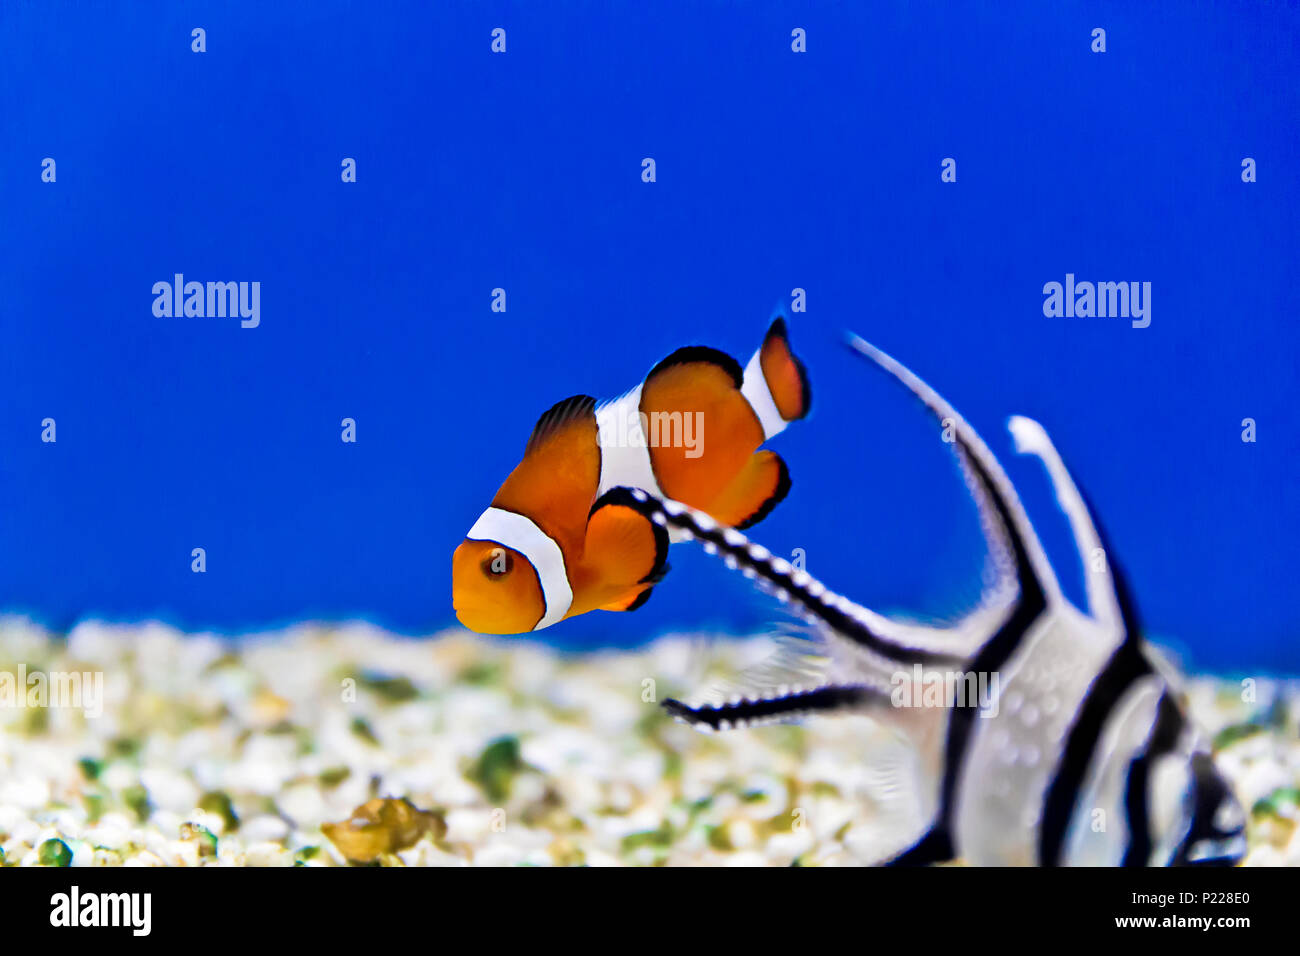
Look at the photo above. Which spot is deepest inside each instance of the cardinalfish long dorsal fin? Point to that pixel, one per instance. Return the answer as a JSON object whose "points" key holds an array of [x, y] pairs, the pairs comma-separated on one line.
{"points": [[1014, 546], [555, 482]]}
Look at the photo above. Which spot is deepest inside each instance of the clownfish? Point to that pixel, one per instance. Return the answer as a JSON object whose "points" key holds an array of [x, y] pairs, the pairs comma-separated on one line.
{"points": [[564, 536], [1047, 719]]}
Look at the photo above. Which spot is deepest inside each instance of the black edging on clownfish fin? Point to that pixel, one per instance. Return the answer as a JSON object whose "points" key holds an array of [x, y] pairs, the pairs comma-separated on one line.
{"points": [[562, 413]]}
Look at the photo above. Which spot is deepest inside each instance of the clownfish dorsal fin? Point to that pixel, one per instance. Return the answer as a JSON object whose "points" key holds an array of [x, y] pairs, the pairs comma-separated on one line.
{"points": [[560, 416], [692, 354], [556, 481]]}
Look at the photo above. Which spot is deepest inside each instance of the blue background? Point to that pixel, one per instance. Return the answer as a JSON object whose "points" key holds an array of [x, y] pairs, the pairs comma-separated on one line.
{"points": [[776, 170]]}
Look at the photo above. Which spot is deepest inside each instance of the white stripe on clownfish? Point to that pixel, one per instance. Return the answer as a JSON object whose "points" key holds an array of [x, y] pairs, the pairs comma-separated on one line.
{"points": [[625, 449], [759, 395], [519, 533]]}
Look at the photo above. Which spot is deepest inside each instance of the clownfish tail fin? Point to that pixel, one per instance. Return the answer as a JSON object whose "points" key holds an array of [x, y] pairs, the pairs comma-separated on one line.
{"points": [[776, 382]]}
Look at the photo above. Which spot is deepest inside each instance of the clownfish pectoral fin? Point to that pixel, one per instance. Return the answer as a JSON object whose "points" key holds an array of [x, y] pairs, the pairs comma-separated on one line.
{"points": [[629, 550], [776, 382], [761, 485], [632, 602]]}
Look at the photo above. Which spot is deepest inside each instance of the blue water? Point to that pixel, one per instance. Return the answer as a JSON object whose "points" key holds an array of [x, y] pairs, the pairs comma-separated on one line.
{"points": [[775, 171]]}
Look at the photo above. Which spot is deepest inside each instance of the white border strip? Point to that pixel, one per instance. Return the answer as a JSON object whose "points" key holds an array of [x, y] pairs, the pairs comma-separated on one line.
{"points": [[519, 533]]}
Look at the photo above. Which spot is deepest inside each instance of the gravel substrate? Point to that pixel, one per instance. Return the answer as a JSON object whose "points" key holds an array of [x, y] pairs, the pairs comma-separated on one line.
{"points": [[323, 746]]}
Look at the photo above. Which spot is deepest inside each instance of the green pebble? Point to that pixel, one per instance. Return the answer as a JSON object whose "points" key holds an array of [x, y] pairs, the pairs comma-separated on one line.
{"points": [[1289, 795], [1281, 803], [661, 838], [361, 727], [497, 766], [481, 673], [700, 806], [94, 806], [673, 765], [123, 747], [719, 839], [137, 798], [218, 804], [393, 689], [54, 853], [333, 776], [1234, 732]]}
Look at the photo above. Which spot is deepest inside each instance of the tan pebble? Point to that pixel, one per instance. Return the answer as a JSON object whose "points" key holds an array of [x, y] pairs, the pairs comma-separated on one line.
{"points": [[267, 854]]}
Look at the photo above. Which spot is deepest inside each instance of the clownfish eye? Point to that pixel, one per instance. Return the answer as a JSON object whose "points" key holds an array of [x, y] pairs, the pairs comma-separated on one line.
{"points": [[498, 564]]}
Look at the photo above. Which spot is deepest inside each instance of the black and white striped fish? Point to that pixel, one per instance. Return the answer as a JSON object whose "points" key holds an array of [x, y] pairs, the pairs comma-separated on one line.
{"points": [[1079, 753]]}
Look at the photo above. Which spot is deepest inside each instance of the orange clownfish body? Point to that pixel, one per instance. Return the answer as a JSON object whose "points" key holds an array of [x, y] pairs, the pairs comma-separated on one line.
{"points": [[564, 534]]}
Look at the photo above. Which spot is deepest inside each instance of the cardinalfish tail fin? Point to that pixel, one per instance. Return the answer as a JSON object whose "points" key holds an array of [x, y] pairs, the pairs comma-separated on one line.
{"points": [[629, 550], [776, 382]]}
